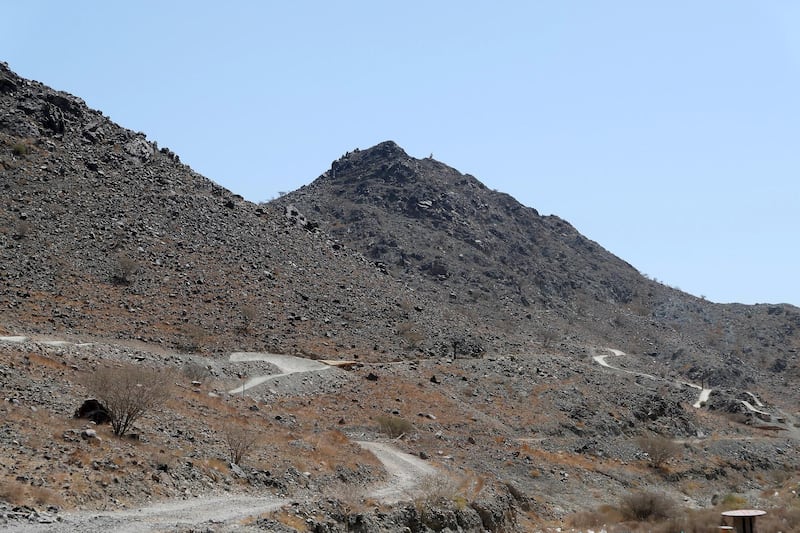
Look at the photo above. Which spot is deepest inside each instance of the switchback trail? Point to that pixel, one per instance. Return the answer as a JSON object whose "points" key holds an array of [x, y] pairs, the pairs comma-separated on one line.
{"points": [[287, 364], [601, 360]]}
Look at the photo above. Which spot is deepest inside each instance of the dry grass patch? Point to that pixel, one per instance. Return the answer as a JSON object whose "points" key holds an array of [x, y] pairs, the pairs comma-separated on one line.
{"points": [[332, 449], [17, 493], [394, 426], [566, 459], [298, 523]]}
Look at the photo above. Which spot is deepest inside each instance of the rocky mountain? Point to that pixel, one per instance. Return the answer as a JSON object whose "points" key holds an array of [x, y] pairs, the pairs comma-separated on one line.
{"points": [[529, 367], [529, 279]]}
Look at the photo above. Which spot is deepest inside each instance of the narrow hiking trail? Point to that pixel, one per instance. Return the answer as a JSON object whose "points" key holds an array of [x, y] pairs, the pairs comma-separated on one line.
{"points": [[705, 393], [601, 360]]}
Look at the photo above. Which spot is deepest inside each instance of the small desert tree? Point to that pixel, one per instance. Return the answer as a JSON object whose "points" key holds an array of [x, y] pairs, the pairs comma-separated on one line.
{"points": [[240, 440], [128, 392], [659, 449], [249, 315]]}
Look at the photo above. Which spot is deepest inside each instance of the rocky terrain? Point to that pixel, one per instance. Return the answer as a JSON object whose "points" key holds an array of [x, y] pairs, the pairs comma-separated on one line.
{"points": [[535, 373]]}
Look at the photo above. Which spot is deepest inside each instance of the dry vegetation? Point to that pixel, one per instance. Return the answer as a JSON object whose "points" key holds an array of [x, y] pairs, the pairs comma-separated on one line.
{"points": [[128, 392]]}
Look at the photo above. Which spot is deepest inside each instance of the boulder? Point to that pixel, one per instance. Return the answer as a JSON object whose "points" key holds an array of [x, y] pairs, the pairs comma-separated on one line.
{"points": [[93, 410]]}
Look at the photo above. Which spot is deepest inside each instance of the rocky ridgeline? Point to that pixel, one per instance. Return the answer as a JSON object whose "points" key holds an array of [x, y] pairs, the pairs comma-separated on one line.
{"points": [[102, 231]]}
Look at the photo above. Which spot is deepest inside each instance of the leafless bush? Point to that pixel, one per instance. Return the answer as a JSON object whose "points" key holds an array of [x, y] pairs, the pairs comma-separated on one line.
{"points": [[786, 519], [693, 521], [659, 449], [128, 393], [394, 426], [240, 441], [595, 518], [249, 315], [409, 332], [642, 506], [549, 337], [126, 267], [22, 229], [195, 372], [435, 489], [193, 338]]}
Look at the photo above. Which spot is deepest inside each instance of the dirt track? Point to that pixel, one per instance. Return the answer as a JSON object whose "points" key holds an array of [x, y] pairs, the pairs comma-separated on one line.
{"points": [[165, 516]]}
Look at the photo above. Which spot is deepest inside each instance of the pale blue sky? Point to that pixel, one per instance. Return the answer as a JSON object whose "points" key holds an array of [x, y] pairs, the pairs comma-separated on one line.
{"points": [[666, 131]]}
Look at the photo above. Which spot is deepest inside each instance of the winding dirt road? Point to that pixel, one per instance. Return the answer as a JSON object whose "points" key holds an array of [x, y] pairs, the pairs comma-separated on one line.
{"points": [[601, 360], [287, 364], [405, 469]]}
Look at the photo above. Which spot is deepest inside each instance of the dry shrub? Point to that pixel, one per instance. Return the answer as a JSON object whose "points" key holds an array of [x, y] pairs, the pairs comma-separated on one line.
{"points": [[602, 516], [333, 448], [409, 332], [193, 338], [45, 496], [239, 440], [13, 491], [213, 468], [195, 372], [658, 449], [17, 493], [644, 506], [126, 267], [691, 521], [394, 426], [781, 519], [435, 489], [733, 501], [128, 392]]}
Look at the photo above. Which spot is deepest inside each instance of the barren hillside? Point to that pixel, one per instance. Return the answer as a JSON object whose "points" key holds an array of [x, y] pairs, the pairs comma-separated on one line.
{"points": [[487, 368]]}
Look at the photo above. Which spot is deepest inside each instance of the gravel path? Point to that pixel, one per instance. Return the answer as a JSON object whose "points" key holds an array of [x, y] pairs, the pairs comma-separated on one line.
{"points": [[287, 364], [405, 469], [166, 516]]}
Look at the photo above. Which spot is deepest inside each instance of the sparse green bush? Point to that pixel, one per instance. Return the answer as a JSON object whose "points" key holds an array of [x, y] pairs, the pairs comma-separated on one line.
{"points": [[394, 426], [20, 149], [733, 501], [249, 315]]}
